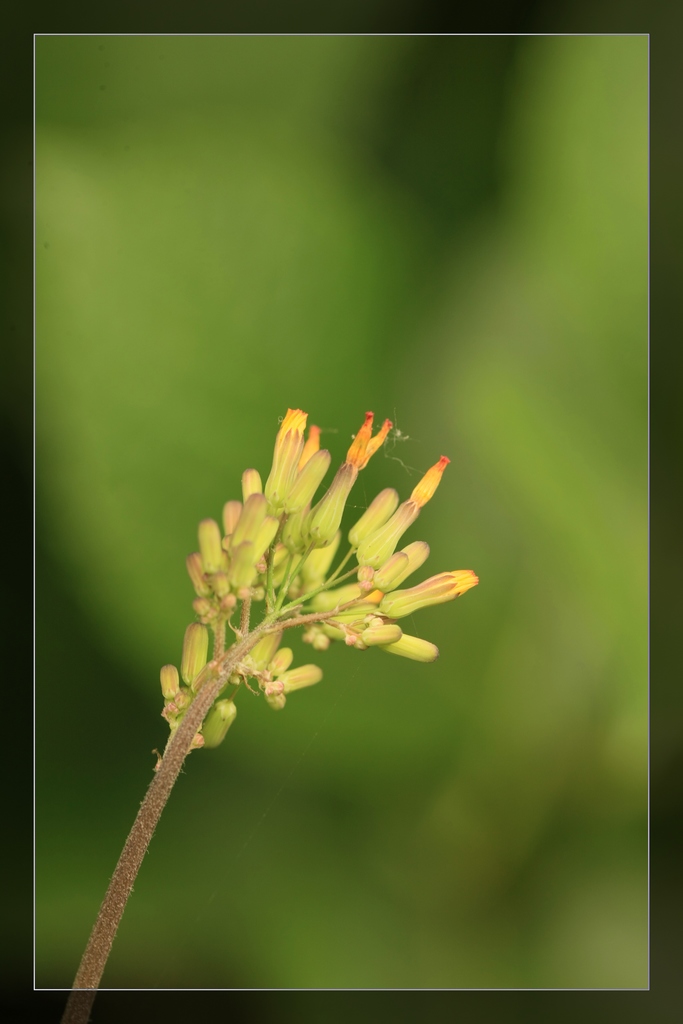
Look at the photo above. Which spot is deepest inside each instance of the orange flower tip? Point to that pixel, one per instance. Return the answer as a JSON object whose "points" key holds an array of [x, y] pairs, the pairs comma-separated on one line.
{"points": [[429, 482], [311, 447], [364, 444], [379, 439]]}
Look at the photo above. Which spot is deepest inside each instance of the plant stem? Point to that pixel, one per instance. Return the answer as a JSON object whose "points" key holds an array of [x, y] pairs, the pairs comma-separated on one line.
{"points": [[209, 684], [104, 930], [244, 617], [218, 638]]}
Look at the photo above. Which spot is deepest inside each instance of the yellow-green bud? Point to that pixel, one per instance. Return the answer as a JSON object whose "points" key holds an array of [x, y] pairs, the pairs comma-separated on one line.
{"points": [[250, 521], [251, 484], [280, 560], [217, 722], [281, 662], [232, 510], [292, 531], [413, 647], [385, 578], [323, 521], [196, 573], [436, 590], [210, 545], [384, 634], [266, 535], [195, 652], [298, 678], [330, 599], [204, 609], [243, 565], [356, 612], [333, 632], [316, 637], [170, 681], [182, 699], [289, 446], [317, 565], [221, 584], [365, 577], [378, 547], [276, 700], [264, 651], [418, 553], [308, 481], [376, 515]]}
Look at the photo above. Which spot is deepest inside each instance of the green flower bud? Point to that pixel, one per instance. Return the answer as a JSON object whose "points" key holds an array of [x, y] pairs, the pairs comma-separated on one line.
{"points": [[196, 573], [205, 609], [385, 634], [289, 446], [232, 510], [418, 553], [308, 481], [195, 652], [281, 662], [221, 584], [280, 559], [330, 599], [414, 648], [243, 565], [250, 521], [170, 681], [217, 722], [436, 590], [251, 484], [323, 521], [266, 535], [182, 699], [366, 574], [333, 632], [298, 678], [292, 532], [356, 612], [391, 571], [276, 700], [378, 547], [316, 637], [264, 651], [317, 565], [210, 545], [376, 515]]}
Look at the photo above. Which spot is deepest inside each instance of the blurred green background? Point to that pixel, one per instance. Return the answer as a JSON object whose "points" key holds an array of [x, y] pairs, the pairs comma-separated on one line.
{"points": [[451, 231]]}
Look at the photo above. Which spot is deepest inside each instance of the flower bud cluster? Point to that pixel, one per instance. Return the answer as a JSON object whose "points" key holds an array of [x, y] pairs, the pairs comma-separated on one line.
{"points": [[270, 666], [279, 544]]}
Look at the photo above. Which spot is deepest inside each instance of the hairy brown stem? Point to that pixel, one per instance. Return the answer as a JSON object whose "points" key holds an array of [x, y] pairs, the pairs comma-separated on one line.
{"points": [[218, 638], [208, 686], [244, 617], [104, 930]]}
